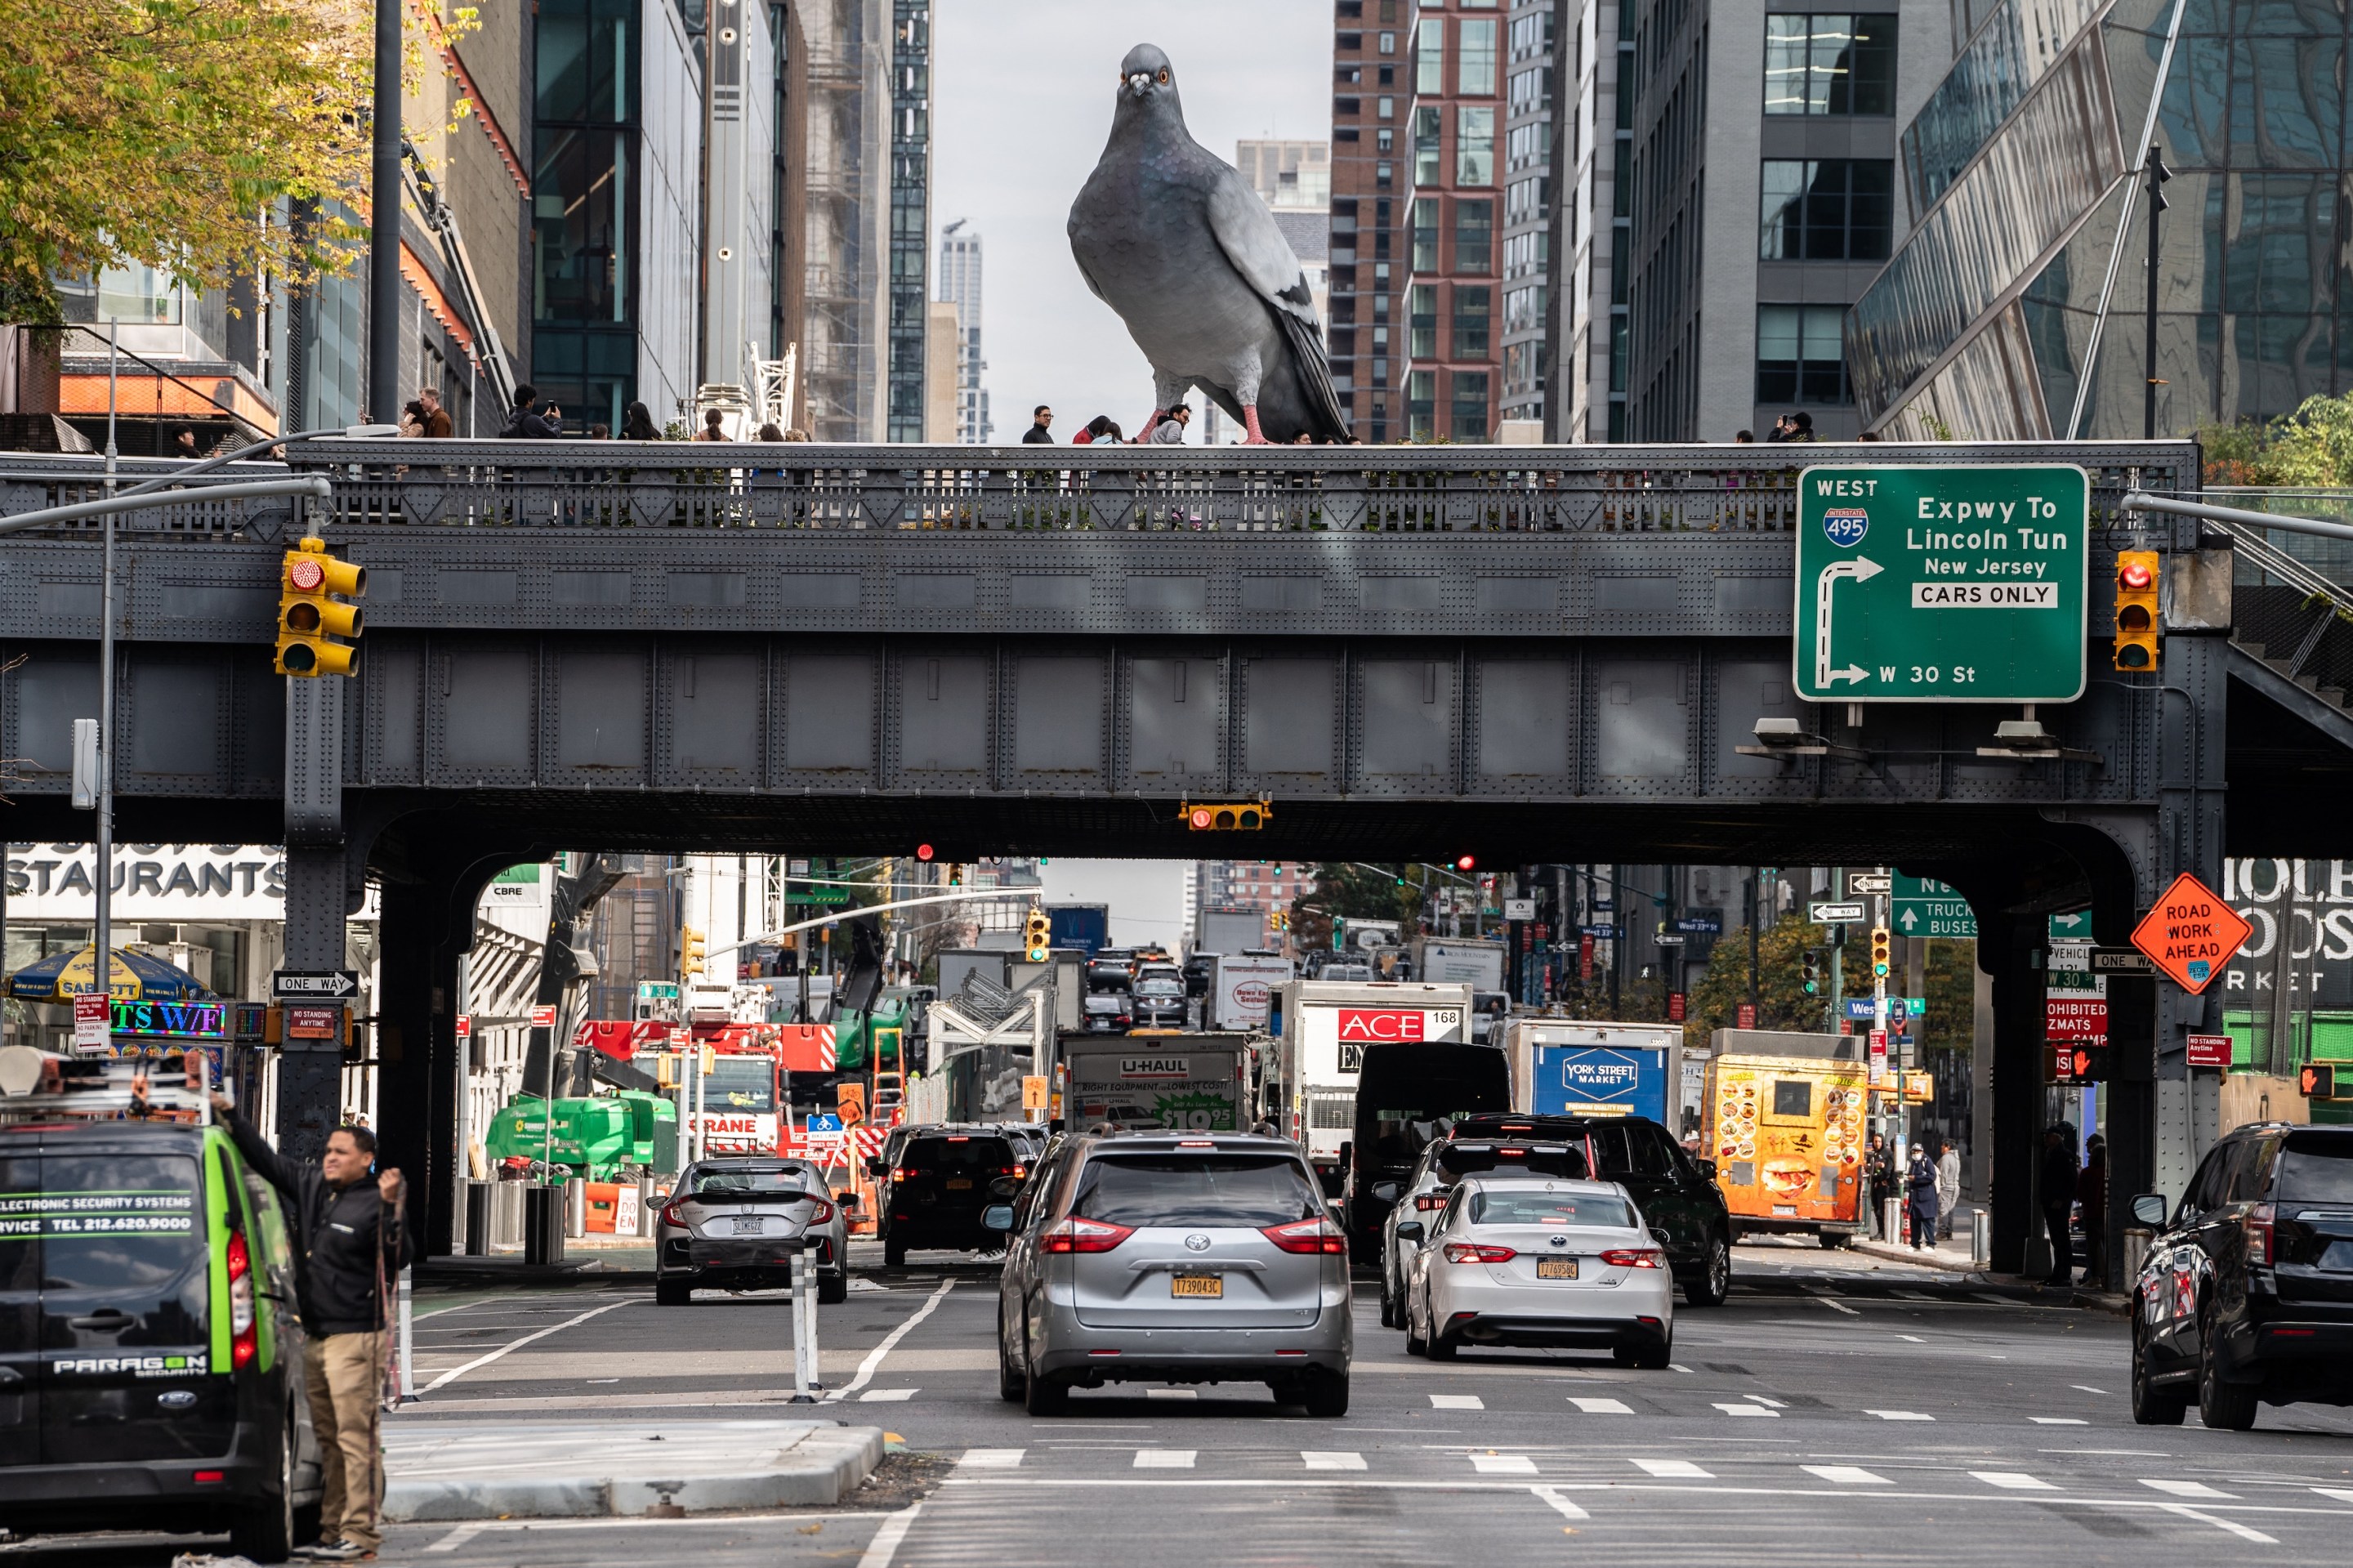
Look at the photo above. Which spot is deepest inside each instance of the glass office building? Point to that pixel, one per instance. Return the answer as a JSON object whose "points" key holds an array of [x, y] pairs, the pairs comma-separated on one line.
{"points": [[2014, 307]]}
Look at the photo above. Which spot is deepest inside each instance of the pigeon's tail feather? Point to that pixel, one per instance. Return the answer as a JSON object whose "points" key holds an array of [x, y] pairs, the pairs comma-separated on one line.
{"points": [[1315, 390]]}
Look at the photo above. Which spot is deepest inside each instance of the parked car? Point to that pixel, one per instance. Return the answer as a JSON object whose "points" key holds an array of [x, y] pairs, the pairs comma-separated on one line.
{"points": [[939, 1188], [151, 1357], [1516, 1261], [1158, 1002], [1108, 1013], [2246, 1295], [1161, 1257], [726, 1223]]}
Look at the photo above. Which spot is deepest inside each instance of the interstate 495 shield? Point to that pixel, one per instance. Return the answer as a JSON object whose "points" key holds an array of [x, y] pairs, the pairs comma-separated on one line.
{"points": [[1942, 584]]}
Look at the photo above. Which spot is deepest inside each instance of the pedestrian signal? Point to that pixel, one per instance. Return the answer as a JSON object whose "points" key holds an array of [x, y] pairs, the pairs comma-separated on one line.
{"points": [[1880, 940], [2319, 1080], [2137, 612], [1036, 934], [1248, 816], [313, 620]]}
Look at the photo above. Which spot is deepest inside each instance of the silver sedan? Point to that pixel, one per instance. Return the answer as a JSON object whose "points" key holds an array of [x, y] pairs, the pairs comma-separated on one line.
{"points": [[728, 1225]]}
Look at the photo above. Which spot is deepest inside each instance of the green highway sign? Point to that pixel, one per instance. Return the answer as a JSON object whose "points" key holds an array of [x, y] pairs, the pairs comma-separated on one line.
{"points": [[1923, 907], [1920, 583], [2075, 928], [821, 896]]}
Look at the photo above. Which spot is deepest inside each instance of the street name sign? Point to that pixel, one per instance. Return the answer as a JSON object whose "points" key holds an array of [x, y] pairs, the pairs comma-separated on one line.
{"points": [[1929, 583], [2190, 934], [313, 985], [1927, 907]]}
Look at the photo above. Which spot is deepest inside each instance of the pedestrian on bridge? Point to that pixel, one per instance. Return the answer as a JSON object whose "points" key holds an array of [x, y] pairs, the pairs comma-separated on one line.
{"points": [[527, 423], [1042, 426], [1170, 431], [349, 1240], [638, 424], [436, 418]]}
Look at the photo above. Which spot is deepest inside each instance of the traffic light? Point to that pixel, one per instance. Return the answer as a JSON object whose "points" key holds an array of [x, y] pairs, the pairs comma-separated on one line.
{"points": [[1879, 952], [1037, 936], [1277, 920], [690, 954], [923, 853], [312, 617], [2136, 620], [1813, 973], [2318, 1080], [1464, 862], [1247, 816], [955, 873]]}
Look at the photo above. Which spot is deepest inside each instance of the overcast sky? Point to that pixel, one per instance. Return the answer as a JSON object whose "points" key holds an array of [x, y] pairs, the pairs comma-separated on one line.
{"points": [[1022, 95]]}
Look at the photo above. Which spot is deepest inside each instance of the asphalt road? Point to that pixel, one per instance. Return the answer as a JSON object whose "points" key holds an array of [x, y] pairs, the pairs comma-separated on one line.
{"points": [[1836, 1408]]}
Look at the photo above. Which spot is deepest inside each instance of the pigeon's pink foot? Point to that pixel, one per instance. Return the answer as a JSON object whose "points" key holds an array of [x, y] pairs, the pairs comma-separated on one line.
{"points": [[1255, 438]]}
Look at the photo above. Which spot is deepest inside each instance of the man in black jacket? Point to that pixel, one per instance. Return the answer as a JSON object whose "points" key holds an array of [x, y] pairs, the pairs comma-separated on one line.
{"points": [[527, 423], [350, 1239]]}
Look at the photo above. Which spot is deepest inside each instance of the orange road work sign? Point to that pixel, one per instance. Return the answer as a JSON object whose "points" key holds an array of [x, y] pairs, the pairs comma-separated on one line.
{"points": [[2191, 934]]}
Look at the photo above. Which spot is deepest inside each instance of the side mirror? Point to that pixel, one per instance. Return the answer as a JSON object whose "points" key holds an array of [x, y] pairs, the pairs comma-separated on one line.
{"points": [[2148, 1209], [877, 1166], [1005, 1186], [1386, 1191], [1410, 1231], [1706, 1167], [847, 1200], [1348, 1155], [997, 1217]]}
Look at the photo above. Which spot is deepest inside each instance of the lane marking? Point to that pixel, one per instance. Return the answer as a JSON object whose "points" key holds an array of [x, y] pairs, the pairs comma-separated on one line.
{"points": [[2186, 1488], [1916, 1296], [1847, 1475], [2341, 1494], [884, 1395], [2014, 1480], [885, 1544], [2088, 1388], [1503, 1464], [1997, 1300], [1457, 1401], [1331, 1459], [1678, 1366], [1833, 1303], [1567, 1510], [1764, 1400], [1602, 1406], [990, 1458], [873, 1361], [2058, 1421], [1899, 1416], [1673, 1469], [1165, 1458], [1745, 1409], [1913, 1337], [456, 1538], [454, 1373], [2244, 1532]]}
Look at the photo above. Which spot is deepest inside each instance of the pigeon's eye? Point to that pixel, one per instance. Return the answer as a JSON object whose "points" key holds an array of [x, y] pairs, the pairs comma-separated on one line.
{"points": [[1164, 76]]}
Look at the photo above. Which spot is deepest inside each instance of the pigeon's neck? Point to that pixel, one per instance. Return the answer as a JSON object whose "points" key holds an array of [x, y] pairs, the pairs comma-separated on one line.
{"points": [[1157, 119]]}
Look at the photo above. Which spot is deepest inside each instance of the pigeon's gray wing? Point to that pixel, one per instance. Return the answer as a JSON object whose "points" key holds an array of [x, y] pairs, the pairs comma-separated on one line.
{"points": [[1246, 232]]}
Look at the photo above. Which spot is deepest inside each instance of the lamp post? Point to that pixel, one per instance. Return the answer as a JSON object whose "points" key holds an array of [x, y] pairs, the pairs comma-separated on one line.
{"points": [[102, 932]]}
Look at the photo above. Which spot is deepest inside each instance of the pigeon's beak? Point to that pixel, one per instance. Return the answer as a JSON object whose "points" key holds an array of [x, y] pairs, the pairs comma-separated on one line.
{"points": [[1139, 81]]}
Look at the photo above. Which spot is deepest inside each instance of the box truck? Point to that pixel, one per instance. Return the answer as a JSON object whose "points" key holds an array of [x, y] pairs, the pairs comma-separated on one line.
{"points": [[1326, 1027], [1078, 927], [1182, 1083], [1466, 960], [1569, 1066], [1242, 988], [1785, 1122], [1229, 930]]}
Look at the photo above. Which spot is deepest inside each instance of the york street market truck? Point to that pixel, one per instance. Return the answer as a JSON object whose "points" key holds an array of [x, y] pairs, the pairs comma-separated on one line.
{"points": [[1563, 1066], [1176, 1083]]}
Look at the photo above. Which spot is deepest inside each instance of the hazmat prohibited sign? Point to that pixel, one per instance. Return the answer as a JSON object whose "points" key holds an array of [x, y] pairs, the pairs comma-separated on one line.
{"points": [[1922, 583]]}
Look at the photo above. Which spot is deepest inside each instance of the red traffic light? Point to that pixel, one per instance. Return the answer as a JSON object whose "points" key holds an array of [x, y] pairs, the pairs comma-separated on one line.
{"points": [[1464, 862], [1202, 816], [924, 852], [2133, 575]]}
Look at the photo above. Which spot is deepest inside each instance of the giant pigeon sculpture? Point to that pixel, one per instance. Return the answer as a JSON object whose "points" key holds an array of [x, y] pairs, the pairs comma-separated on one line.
{"points": [[1168, 235]]}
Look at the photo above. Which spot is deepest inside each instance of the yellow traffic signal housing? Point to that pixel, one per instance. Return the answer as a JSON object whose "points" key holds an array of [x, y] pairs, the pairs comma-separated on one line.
{"points": [[1879, 952], [689, 953], [2136, 611], [1036, 934], [312, 620], [1247, 816]]}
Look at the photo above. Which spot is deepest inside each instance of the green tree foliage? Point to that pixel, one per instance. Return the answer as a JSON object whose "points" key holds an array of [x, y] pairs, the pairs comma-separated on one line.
{"points": [[1781, 999], [1952, 986], [2312, 448], [1355, 892]]}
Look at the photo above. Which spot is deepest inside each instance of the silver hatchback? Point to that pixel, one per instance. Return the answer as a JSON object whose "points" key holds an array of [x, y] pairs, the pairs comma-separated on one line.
{"points": [[1159, 1257]]}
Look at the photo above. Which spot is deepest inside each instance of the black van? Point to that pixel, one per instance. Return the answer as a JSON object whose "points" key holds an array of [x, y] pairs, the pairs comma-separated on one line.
{"points": [[1407, 1096], [941, 1182], [150, 1360]]}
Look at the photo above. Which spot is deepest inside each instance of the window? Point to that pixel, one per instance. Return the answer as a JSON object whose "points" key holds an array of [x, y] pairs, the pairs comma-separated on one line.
{"points": [[1525, 253], [1474, 67], [1422, 303], [1801, 354], [1524, 201], [1430, 56], [1527, 91], [1470, 404], [580, 238], [1829, 65], [1387, 107], [1474, 235], [1428, 168], [1384, 175], [1828, 209], [1421, 405], [1389, 47], [1475, 145], [1472, 310], [1524, 309], [1233, 1190], [1385, 139], [1425, 235], [1526, 144]]}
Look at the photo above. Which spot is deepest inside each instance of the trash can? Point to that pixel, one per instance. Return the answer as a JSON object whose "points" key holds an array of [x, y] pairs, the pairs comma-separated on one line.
{"points": [[543, 1223]]}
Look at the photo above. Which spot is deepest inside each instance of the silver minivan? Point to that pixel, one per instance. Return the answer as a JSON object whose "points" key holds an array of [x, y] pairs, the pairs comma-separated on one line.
{"points": [[1167, 1257]]}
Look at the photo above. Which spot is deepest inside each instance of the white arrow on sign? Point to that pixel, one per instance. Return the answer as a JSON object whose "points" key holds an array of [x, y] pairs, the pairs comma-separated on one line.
{"points": [[1907, 920], [1863, 568]]}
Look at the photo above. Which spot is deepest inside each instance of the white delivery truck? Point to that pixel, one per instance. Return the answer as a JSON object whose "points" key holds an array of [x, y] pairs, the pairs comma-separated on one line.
{"points": [[1326, 1026], [1242, 990], [1178, 1083], [1474, 961]]}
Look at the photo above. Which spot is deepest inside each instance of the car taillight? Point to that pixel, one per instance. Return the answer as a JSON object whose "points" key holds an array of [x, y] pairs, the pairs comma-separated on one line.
{"points": [[1631, 1257], [1429, 1201], [1016, 1171], [1075, 1234], [243, 1344], [1471, 1252], [824, 1215], [1511, 1154], [1318, 1236], [671, 1216], [897, 1175], [2258, 1227]]}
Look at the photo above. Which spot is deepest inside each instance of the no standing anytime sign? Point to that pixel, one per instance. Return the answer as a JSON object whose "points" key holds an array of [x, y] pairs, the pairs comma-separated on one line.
{"points": [[1920, 583]]}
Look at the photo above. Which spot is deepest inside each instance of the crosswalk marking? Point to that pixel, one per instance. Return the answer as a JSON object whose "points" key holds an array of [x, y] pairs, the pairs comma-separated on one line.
{"points": [[1997, 1300], [1601, 1406], [1567, 1510], [1761, 1399], [1331, 1459], [886, 1396], [1909, 1295], [990, 1458], [1457, 1401], [1674, 1469], [1165, 1458], [1744, 1408], [2014, 1480], [1847, 1475], [2058, 1421], [1899, 1416], [2185, 1488], [1503, 1464]]}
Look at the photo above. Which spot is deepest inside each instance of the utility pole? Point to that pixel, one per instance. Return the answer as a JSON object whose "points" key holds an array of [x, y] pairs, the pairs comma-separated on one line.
{"points": [[384, 221], [1756, 914], [2158, 174]]}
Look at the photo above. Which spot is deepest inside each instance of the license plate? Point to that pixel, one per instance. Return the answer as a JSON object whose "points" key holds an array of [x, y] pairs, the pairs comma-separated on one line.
{"points": [[959, 1184], [1555, 1269], [1197, 1284], [748, 1225]]}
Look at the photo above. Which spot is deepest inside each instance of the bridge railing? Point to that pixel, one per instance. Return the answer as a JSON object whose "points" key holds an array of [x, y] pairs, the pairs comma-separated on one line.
{"points": [[1645, 490]]}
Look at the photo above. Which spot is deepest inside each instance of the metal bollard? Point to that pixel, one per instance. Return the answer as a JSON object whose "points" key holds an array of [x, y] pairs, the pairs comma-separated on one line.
{"points": [[806, 1387], [1980, 1238], [1890, 1215], [407, 1341]]}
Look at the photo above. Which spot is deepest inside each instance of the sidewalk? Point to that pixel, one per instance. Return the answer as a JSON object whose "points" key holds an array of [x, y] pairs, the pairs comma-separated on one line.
{"points": [[449, 1470]]}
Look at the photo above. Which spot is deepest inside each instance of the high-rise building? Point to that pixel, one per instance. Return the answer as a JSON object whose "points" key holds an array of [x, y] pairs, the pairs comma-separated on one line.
{"points": [[940, 374], [959, 284], [1452, 169], [845, 256], [1370, 47], [911, 214], [739, 254], [1531, 79], [1593, 139]]}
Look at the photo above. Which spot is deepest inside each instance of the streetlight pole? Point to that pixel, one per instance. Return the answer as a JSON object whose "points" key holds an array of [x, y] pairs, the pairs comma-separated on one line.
{"points": [[384, 220], [2158, 174], [103, 931]]}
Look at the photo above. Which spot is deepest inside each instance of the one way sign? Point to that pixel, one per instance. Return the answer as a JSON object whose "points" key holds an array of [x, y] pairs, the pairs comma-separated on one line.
{"points": [[313, 985]]}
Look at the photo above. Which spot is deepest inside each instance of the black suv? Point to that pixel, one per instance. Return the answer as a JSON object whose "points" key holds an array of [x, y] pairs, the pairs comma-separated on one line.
{"points": [[938, 1187], [2246, 1296]]}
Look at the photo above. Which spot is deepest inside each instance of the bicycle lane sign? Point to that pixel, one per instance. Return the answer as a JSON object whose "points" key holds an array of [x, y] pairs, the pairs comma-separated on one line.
{"points": [[1927, 583]]}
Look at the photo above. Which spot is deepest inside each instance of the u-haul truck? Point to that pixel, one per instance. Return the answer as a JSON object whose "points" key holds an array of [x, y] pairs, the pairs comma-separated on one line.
{"points": [[1326, 1026]]}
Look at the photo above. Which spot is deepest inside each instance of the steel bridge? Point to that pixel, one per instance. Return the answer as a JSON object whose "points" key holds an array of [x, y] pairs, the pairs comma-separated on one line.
{"points": [[1523, 653]]}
